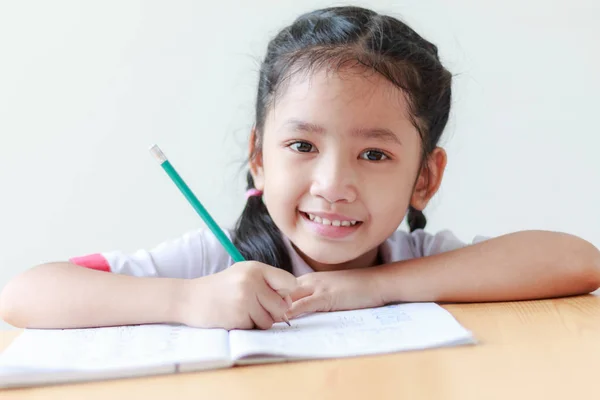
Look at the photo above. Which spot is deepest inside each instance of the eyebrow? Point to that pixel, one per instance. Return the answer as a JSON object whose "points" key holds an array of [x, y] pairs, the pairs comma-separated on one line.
{"points": [[382, 134]]}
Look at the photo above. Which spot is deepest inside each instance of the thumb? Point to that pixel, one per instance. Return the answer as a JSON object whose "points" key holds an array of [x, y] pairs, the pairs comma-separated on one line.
{"points": [[304, 305], [280, 281]]}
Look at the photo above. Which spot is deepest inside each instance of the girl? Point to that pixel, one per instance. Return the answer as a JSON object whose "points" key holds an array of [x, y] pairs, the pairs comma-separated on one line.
{"points": [[350, 107]]}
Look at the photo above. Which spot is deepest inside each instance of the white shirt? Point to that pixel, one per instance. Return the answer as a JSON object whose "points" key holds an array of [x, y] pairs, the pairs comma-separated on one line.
{"points": [[199, 253]]}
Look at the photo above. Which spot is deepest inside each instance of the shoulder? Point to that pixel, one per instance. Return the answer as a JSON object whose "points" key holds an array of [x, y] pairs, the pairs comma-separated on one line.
{"points": [[403, 245], [216, 258], [194, 254]]}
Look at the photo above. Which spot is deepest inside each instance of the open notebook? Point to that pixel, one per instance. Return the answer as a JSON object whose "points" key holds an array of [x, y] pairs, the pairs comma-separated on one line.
{"points": [[39, 356]]}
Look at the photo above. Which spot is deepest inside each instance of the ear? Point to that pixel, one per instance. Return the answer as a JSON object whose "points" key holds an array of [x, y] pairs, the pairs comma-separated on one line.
{"points": [[430, 178], [255, 161]]}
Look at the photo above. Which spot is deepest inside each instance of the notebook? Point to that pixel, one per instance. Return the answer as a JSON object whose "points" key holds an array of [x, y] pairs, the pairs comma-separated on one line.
{"points": [[47, 356]]}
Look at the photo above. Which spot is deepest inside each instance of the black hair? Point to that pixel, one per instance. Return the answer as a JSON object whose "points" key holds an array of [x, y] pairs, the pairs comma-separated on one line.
{"points": [[335, 38]]}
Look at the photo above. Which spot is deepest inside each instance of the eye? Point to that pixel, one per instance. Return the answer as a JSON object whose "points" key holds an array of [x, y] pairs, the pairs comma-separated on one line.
{"points": [[302, 147], [374, 155]]}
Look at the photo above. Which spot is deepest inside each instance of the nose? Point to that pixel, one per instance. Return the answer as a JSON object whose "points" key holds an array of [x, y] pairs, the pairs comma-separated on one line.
{"points": [[334, 180]]}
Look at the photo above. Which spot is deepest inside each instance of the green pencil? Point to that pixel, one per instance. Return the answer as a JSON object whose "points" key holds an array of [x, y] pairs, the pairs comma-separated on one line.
{"points": [[193, 200]]}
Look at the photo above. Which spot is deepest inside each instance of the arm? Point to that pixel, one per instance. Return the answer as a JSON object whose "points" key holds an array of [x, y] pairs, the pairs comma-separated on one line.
{"points": [[517, 266], [64, 295]]}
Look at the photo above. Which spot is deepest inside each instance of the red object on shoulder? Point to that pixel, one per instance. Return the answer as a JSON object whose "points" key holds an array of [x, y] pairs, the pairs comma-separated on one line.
{"points": [[92, 261]]}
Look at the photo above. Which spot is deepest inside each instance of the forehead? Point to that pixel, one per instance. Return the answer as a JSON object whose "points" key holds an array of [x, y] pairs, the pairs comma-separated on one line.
{"points": [[354, 95]]}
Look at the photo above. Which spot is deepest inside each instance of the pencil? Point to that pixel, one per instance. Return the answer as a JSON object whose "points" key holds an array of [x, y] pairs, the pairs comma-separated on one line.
{"points": [[195, 203]]}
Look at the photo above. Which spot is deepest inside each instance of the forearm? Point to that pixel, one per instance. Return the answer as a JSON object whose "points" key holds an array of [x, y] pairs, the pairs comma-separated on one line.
{"points": [[518, 266], [63, 295]]}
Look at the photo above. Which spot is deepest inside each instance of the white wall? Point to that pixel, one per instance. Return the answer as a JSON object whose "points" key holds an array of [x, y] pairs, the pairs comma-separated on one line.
{"points": [[86, 87]]}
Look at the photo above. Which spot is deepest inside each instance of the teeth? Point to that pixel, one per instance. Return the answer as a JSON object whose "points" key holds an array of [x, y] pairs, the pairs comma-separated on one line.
{"points": [[326, 221]]}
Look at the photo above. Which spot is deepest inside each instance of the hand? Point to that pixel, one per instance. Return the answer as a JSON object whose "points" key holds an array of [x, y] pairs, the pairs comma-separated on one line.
{"points": [[246, 295], [335, 291]]}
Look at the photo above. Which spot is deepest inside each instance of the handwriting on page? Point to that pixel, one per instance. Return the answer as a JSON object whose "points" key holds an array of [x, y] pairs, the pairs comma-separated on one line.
{"points": [[350, 328], [329, 333], [389, 316]]}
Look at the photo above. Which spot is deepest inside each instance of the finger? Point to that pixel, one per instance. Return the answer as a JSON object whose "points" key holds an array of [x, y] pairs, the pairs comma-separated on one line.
{"points": [[305, 305], [302, 291], [272, 302], [262, 318], [288, 300], [280, 281]]}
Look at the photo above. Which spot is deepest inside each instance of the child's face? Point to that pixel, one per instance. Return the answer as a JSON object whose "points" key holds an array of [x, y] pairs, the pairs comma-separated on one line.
{"points": [[339, 147]]}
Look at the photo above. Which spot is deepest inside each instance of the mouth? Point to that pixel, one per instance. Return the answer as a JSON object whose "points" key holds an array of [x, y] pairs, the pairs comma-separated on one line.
{"points": [[333, 222], [337, 227]]}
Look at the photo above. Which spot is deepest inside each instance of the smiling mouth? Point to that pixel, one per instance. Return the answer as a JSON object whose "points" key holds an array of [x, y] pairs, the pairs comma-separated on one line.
{"points": [[327, 222]]}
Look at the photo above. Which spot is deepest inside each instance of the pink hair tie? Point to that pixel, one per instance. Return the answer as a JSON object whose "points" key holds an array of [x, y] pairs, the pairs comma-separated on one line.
{"points": [[253, 192]]}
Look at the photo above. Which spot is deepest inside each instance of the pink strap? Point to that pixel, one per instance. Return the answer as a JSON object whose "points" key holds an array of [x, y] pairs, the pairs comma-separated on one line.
{"points": [[92, 261], [253, 192]]}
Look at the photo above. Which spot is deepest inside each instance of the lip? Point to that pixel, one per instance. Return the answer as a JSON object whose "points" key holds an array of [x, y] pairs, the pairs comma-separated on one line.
{"points": [[330, 231]]}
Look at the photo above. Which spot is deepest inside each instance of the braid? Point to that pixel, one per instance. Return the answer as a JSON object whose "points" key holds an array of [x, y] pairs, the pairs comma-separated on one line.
{"points": [[416, 219]]}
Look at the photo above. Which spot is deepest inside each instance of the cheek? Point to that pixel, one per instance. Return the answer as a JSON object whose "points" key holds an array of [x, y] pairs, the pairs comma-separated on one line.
{"points": [[282, 182], [282, 168], [390, 199], [276, 169]]}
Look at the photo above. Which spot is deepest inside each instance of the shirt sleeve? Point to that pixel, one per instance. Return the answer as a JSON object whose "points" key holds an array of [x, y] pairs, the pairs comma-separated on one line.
{"points": [[426, 244], [195, 254]]}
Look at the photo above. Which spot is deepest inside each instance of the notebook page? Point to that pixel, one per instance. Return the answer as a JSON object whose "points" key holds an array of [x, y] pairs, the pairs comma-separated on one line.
{"points": [[351, 333], [109, 348]]}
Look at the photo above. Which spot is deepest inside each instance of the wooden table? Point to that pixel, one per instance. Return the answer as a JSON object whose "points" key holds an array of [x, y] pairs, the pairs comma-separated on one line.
{"points": [[547, 349]]}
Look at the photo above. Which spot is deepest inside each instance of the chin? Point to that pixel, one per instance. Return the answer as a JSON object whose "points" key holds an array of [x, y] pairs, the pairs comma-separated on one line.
{"points": [[324, 254], [329, 260]]}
